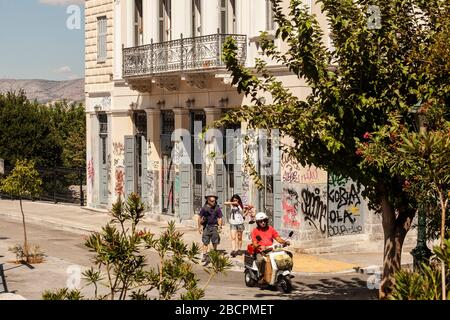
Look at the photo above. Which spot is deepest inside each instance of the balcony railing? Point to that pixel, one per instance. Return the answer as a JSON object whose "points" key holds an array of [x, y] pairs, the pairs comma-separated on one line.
{"points": [[183, 55]]}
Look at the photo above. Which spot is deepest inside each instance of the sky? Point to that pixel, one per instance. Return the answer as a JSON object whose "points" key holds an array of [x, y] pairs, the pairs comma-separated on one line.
{"points": [[42, 39]]}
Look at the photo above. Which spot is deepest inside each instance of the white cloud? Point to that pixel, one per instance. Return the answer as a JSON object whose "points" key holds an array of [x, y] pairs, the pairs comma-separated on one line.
{"points": [[64, 69], [61, 2]]}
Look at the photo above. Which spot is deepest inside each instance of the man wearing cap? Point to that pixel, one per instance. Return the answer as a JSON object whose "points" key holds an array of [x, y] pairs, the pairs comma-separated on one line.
{"points": [[210, 224], [262, 237]]}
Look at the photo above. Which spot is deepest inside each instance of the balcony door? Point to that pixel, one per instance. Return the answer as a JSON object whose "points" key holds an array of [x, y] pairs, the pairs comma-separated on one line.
{"points": [[227, 16], [196, 18], [165, 20], [138, 23]]}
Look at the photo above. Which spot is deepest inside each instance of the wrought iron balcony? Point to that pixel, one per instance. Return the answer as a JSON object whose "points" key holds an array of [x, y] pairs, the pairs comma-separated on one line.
{"points": [[195, 54]]}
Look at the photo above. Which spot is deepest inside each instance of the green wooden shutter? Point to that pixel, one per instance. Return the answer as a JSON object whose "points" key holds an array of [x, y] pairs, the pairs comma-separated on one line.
{"points": [[144, 178], [129, 163], [277, 185], [238, 156]]}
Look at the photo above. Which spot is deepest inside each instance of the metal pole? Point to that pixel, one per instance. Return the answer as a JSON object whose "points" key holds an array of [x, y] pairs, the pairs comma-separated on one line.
{"points": [[421, 252]]}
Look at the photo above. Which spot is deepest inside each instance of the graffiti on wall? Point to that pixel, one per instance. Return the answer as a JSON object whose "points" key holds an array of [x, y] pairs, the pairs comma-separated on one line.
{"points": [[151, 182], [108, 172], [120, 173], [118, 152], [91, 171], [290, 203], [314, 207], [293, 172], [118, 149], [345, 200]]}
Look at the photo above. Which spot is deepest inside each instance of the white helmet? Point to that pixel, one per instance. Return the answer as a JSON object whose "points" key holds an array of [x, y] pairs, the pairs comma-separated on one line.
{"points": [[261, 216]]}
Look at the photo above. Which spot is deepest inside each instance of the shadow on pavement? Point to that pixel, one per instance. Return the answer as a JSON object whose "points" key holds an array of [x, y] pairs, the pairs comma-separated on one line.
{"points": [[4, 286], [325, 289]]}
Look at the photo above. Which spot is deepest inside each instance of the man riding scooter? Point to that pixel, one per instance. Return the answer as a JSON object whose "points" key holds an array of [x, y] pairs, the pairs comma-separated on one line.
{"points": [[262, 237]]}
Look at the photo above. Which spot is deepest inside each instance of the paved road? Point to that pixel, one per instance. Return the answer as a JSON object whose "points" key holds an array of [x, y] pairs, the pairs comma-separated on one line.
{"points": [[64, 249]]}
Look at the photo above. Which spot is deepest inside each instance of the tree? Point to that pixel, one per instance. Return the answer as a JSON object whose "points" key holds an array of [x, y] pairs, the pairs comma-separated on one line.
{"points": [[52, 135], [22, 182], [423, 160], [26, 132], [121, 266], [427, 284], [372, 72]]}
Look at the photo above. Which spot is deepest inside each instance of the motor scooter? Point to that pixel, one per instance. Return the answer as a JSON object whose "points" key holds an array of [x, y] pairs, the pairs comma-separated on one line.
{"points": [[281, 262]]}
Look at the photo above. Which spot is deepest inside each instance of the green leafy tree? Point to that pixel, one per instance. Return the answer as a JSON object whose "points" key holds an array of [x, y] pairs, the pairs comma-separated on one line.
{"points": [[23, 182], [426, 284], [372, 72], [423, 160], [50, 135], [121, 264]]}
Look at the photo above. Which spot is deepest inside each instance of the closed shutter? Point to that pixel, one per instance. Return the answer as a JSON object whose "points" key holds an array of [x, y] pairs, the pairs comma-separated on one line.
{"points": [[219, 169], [129, 162], [238, 162], [101, 38], [145, 182], [277, 185], [186, 192]]}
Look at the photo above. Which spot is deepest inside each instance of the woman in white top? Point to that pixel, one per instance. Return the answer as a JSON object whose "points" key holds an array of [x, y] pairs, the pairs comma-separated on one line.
{"points": [[236, 221]]}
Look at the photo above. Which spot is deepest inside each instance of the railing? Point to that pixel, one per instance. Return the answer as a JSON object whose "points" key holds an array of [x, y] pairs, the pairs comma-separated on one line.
{"points": [[185, 54], [65, 185]]}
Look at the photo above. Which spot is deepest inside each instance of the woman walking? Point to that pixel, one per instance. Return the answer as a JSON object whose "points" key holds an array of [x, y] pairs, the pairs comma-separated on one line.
{"points": [[236, 221]]}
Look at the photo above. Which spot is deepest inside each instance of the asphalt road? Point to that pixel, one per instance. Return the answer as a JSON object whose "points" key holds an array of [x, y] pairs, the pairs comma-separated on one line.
{"points": [[65, 250]]}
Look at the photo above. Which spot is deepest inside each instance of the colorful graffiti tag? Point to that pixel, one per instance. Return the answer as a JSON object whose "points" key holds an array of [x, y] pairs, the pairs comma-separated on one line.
{"points": [[290, 203], [120, 173]]}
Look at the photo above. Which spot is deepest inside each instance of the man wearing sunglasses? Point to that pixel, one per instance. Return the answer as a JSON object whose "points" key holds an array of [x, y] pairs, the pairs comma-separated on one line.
{"points": [[209, 224]]}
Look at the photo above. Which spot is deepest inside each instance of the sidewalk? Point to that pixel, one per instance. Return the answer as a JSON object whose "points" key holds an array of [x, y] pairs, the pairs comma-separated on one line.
{"points": [[79, 220]]}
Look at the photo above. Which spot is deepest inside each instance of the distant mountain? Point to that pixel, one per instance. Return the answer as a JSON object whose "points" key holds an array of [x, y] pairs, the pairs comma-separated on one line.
{"points": [[46, 91]]}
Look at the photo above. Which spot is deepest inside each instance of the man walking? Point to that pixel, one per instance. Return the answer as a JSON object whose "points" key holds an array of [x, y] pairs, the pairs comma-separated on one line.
{"points": [[209, 224]]}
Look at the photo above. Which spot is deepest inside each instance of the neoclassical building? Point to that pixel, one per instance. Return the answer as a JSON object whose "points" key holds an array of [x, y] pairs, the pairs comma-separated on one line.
{"points": [[155, 78]]}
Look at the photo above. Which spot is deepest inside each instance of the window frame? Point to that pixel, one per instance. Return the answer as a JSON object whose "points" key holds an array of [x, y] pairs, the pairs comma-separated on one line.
{"points": [[102, 39]]}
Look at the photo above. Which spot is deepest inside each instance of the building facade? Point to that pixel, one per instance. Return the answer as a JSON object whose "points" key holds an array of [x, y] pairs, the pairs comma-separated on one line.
{"points": [[155, 78]]}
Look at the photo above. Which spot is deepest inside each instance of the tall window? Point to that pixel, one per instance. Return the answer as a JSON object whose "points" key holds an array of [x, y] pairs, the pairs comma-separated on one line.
{"points": [[138, 23], [101, 38], [227, 16], [103, 130], [165, 20], [196, 18], [270, 21]]}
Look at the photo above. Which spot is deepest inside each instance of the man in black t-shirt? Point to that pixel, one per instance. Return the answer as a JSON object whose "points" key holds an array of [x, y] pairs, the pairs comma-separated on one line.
{"points": [[209, 224]]}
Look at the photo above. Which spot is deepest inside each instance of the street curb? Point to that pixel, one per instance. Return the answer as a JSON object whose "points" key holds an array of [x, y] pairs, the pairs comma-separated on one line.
{"points": [[63, 227]]}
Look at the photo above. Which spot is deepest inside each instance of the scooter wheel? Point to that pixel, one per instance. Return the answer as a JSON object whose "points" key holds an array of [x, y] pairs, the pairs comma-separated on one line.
{"points": [[285, 284], [249, 281]]}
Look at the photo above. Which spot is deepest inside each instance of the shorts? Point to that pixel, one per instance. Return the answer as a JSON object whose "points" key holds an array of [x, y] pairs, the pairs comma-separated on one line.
{"points": [[210, 234], [237, 227]]}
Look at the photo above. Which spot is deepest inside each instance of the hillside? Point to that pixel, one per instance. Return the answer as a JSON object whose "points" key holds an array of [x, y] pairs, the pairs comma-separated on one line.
{"points": [[46, 90]]}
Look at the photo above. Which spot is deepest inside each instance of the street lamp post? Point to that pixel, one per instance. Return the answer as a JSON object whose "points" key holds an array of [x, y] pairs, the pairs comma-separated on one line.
{"points": [[421, 252]]}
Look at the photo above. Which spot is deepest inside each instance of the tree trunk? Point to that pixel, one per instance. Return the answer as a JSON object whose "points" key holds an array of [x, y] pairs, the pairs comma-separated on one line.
{"points": [[396, 224], [25, 244]]}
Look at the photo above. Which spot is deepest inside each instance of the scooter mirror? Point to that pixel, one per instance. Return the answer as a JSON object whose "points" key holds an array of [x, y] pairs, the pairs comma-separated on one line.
{"points": [[291, 233]]}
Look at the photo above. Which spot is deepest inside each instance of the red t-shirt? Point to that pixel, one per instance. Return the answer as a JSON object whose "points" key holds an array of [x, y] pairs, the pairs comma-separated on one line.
{"points": [[267, 236]]}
